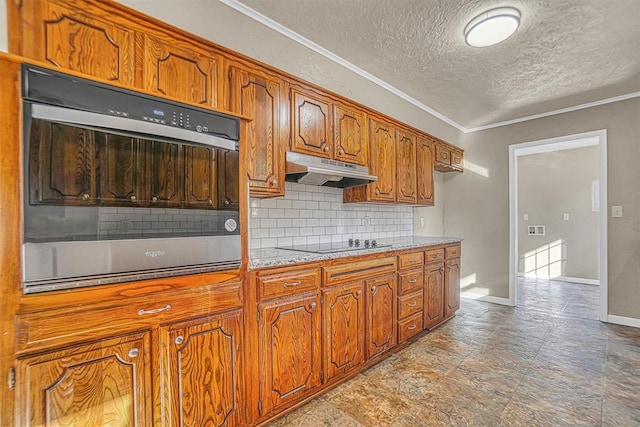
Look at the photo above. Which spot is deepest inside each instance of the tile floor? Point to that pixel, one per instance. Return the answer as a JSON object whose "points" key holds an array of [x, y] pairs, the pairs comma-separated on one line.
{"points": [[547, 362]]}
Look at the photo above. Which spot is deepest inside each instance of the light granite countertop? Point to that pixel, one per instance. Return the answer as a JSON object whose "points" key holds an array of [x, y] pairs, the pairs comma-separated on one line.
{"points": [[272, 257]]}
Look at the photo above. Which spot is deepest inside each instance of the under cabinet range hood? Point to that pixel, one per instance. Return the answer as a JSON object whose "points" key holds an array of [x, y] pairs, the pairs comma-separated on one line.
{"points": [[311, 170]]}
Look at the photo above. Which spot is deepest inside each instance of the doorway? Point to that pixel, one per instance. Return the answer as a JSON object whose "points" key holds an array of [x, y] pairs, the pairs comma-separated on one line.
{"points": [[546, 254]]}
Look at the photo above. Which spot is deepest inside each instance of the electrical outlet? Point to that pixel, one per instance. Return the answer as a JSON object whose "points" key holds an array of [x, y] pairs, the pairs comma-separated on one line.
{"points": [[366, 221], [421, 221], [566, 217]]}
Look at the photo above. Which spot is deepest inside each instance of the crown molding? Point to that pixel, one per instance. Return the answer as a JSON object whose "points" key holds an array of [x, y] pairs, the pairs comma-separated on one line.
{"points": [[270, 23]]}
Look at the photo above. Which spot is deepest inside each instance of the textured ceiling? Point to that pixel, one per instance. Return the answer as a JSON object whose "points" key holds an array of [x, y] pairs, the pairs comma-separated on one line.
{"points": [[565, 53]]}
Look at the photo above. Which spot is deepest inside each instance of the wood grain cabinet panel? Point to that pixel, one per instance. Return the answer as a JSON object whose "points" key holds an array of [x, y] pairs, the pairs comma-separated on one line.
{"points": [[201, 177], [406, 167], [311, 124], [452, 287], [121, 169], [165, 173], [381, 312], [290, 355], [350, 135], [203, 376], [104, 383], [433, 294], [57, 144], [383, 161], [344, 328], [425, 157], [180, 70], [261, 97], [78, 38], [228, 184]]}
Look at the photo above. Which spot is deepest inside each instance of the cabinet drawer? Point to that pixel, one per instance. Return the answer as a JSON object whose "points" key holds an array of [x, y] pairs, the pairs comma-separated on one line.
{"points": [[410, 281], [452, 252], [410, 304], [409, 327], [434, 255], [357, 270], [44, 329], [290, 283], [407, 261]]}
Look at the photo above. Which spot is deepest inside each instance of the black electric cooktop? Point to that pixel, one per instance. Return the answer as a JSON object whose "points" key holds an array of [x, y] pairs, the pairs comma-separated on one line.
{"points": [[329, 248]]}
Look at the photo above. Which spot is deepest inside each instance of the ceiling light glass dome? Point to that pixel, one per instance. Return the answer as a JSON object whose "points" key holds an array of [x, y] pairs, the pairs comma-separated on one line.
{"points": [[492, 27]]}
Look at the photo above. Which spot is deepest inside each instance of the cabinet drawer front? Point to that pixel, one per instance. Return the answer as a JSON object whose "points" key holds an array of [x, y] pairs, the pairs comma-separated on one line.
{"points": [[409, 327], [410, 281], [434, 255], [340, 273], [407, 261], [452, 252], [291, 283], [74, 324], [410, 304]]}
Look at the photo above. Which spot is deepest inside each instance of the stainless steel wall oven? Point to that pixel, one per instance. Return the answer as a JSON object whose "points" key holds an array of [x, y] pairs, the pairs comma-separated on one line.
{"points": [[121, 185]]}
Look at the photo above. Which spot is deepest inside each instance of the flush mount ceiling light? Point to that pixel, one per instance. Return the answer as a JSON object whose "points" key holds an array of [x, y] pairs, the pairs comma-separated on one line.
{"points": [[492, 27]]}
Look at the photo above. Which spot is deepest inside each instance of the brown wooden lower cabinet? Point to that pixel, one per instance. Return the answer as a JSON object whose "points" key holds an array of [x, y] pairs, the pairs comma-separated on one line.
{"points": [[381, 305], [433, 294], [343, 328], [290, 353], [452, 287], [107, 382], [203, 381]]}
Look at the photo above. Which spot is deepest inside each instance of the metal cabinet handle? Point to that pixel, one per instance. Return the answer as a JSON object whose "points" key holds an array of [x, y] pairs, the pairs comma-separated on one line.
{"points": [[154, 199], [411, 328], [413, 304], [373, 288], [413, 281], [341, 151], [133, 198], [292, 285], [179, 339], [412, 261], [325, 148], [377, 191], [226, 202], [359, 292], [274, 182], [85, 196], [142, 312], [210, 202], [435, 256], [134, 352], [313, 305]]}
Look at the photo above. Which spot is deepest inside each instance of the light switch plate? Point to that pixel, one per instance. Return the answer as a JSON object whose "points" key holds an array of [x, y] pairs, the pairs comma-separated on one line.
{"points": [[616, 211], [566, 217], [525, 217]]}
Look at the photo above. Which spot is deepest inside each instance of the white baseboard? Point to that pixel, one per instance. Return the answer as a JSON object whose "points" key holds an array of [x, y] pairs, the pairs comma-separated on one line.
{"points": [[581, 280], [486, 298], [626, 321]]}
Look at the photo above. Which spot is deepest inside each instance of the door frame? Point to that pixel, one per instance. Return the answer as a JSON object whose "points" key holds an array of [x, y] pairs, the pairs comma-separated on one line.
{"points": [[594, 138]]}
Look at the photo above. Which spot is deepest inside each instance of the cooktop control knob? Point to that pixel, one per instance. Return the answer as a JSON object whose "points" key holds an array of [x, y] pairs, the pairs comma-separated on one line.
{"points": [[374, 243], [350, 242], [357, 242], [367, 243]]}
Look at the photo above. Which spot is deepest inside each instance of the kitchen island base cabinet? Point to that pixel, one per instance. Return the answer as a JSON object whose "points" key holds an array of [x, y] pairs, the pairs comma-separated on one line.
{"points": [[290, 354], [381, 309], [104, 383], [344, 328], [203, 383]]}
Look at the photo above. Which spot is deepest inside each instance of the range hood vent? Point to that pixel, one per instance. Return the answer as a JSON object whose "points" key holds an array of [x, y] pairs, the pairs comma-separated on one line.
{"points": [[312, 170]]}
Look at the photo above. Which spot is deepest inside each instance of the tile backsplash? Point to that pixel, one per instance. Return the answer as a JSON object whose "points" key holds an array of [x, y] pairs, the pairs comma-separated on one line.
{"points": [[309, 214]]}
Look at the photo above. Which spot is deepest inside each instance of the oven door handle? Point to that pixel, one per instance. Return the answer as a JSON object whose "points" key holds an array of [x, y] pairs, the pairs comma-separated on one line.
{"points": [[142, 129]]}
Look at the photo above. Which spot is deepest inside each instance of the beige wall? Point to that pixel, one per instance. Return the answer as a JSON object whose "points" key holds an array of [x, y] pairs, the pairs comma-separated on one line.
{"points": [[433, 215], [477, 206], [549, 186], [4, 34]]}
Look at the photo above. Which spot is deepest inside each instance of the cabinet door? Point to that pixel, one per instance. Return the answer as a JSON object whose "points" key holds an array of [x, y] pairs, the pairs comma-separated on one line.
{"points": [[381, 314], [260, 97], [383, 161], [79, 38], [228, 183], [104, 383], [424, 171], [180, 70], [311, 125], [350, 136], [443, 154], [344, 328], [202, 372], [63, 171], [406, 167], [456, 159], [200, 176], [290, 357], [433, 295], [452, 287], [165, 173], [121, 171]]}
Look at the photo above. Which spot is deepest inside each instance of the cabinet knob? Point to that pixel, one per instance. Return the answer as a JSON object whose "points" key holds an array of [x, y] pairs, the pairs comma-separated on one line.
{"points": [[154, 199], [85, 196], [179, 339], [325, 148], [226, 202], [274, 182], [133, 198], [133, 352], [359, 292], [313, 305], [341, 151], [377, 191], [373, 288], [210, 202]]}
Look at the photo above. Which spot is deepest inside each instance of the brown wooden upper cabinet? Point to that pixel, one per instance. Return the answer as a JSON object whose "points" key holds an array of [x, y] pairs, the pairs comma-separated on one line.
{"points": [[406, 167], [448, 158], [75, 36], [262, 97], [383, 161], [425, 158], [181, 70], [324, 127]]}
